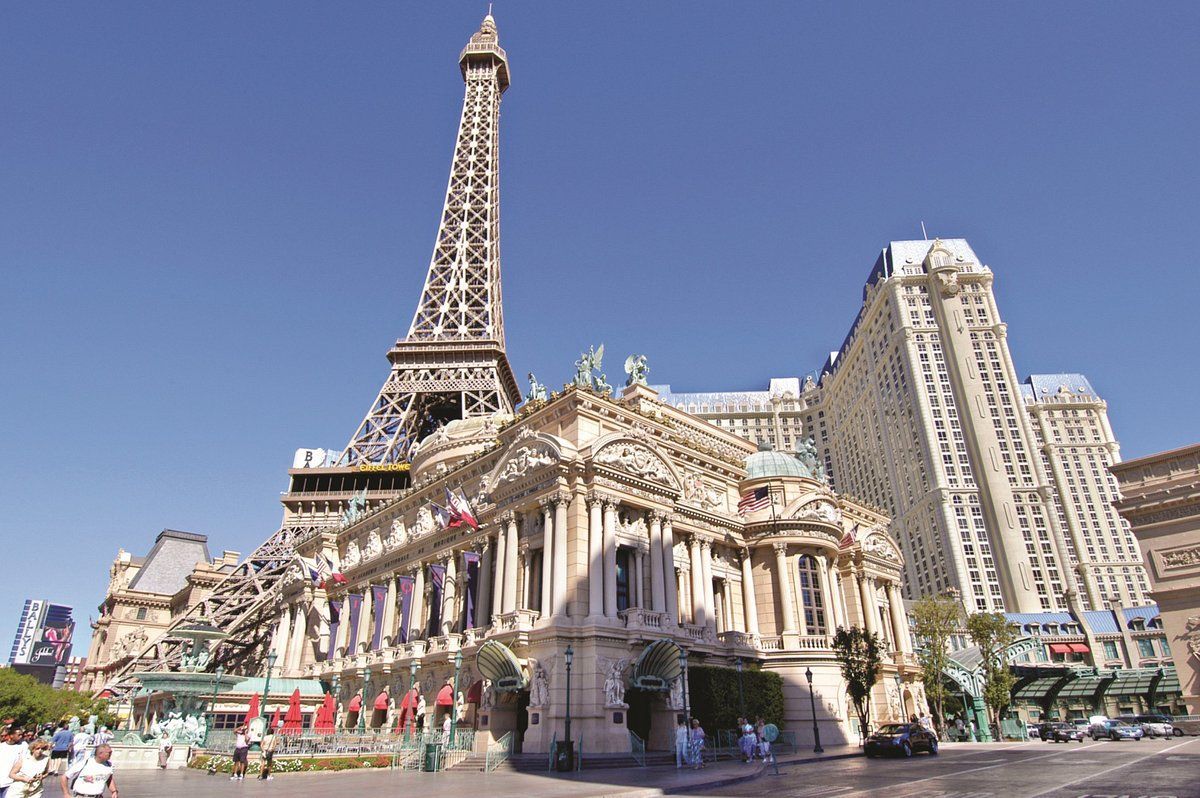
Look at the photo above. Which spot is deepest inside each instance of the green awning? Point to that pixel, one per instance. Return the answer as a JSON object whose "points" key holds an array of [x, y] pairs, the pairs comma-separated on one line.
{"points": [[1085, 687], [658, 666], [1133, 683], [1169, 684], [497, 663], [1036, 689]]}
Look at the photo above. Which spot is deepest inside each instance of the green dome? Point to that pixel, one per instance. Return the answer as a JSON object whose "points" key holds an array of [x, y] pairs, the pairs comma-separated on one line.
{"points": [[768, 463]]}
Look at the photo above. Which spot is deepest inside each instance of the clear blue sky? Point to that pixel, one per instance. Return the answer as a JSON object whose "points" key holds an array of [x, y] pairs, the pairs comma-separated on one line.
{"points": [[216, 217]]}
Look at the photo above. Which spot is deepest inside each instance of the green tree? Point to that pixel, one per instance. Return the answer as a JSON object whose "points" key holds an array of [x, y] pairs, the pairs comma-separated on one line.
{"points": [[993, 634], [860, 656], [29, 702], [935, 620]]}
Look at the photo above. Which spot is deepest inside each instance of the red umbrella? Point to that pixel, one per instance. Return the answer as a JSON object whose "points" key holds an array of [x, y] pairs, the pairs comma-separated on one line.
{"points": [[252, 712], [293, 722], [275, 720], [325, 715]]}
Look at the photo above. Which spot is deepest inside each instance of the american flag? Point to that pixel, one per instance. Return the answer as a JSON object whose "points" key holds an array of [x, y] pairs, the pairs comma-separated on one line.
{"points": [[753, 501]]}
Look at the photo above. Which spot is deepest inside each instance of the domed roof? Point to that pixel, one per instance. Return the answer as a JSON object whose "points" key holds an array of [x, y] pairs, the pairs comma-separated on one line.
{"points": [[767, 462]]}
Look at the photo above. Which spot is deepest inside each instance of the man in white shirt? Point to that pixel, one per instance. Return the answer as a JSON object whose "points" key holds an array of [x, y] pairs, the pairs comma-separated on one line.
{"points": [[81, 744], [90, 775], [10, 754]]}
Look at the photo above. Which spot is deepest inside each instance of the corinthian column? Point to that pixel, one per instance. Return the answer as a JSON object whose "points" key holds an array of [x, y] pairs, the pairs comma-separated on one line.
{"points": [[389, 614], [657, 591], [450, 594], [595, 569], [283, 632], [696, 574], [498, 586], [670, 583], [560, 554], [784, 581], [547, 606], [416, 621], [749, 604], [710, 602], [610, 559], [866, 596], [899, 619], [510, 562], [483, 603], [296, 648]]}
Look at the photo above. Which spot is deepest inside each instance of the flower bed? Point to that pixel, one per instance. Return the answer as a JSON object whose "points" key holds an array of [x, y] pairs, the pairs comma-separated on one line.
{"points": [[224, 764]]}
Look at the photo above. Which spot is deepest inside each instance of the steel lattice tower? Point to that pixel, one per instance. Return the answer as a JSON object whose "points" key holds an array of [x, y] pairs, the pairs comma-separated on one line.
{"points": [[452, 364]]}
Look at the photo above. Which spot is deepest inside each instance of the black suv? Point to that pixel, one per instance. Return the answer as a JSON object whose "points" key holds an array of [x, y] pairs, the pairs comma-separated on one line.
{"points": [[901, 738]]}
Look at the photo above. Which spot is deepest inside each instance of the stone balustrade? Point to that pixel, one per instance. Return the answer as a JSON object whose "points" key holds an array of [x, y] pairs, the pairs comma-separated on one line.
{"points": [[639, 618]]}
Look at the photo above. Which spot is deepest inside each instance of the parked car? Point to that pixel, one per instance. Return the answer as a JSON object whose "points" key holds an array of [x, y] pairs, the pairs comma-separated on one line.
{"points": [[1033, 731], [1085, 724], [1064, 733], [903, 739], [1183, 726], [1116, 730], [1152, 725], [1044, 729]]}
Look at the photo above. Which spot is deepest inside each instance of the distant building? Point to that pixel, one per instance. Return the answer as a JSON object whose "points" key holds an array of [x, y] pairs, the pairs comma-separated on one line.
{"points": [[42, 645], [71, 673], [145, 594], [997, 488], [1161, 499]]}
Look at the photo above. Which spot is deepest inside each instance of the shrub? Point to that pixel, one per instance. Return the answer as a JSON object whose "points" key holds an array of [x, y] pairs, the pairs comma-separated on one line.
{"points": [[713, 696], [295, 764]]}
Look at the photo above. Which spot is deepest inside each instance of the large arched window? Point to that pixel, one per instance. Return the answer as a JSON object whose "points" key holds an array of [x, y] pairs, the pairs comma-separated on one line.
{"points": [[810, 596]]}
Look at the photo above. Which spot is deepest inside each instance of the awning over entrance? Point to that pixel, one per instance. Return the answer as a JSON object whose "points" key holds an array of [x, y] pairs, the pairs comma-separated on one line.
{"points": [[1060, 648], [1083, 687], [1035, 690], [445, 696], [381, 700], [475, 692], [497, 662], [1136, 683], [1080, 648], [658, 666]]}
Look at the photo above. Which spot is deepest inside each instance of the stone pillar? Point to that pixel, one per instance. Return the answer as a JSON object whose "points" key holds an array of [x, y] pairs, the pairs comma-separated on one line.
{"points": [[610, 559], [866, 596], [527, 571], [595, 556], [826, 593], [363, 640], [696, 576], [637, 599], [389, 614], [510, 563], [483, 604], [835, 600], [710, 603], [416, 621], [450, 594], [731, 620], [749, 604], [547, 558], [671, 605], [283, 631], [560, 554], [296, 648], [899, 619], [783, 579], [657, 592], [498, 585]]}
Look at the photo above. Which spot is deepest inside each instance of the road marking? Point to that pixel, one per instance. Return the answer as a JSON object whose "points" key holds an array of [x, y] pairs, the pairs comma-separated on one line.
{"points": [[1099, 773], [813, 792]]}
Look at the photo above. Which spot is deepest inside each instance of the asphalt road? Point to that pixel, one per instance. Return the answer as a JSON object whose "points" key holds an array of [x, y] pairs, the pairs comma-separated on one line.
{"points": [[1162, 768]]}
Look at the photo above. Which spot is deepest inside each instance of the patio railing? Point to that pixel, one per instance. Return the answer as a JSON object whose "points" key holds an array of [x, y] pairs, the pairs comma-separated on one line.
{"points": [[497, 752], [637, 748]]}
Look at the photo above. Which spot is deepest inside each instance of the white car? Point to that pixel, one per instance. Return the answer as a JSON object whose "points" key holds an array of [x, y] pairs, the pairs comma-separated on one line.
{"points": [[1153, 725]]}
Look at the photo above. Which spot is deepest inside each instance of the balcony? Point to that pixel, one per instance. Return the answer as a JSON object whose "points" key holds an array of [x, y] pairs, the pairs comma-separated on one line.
{"points": [[517, 621], [638, 618]]}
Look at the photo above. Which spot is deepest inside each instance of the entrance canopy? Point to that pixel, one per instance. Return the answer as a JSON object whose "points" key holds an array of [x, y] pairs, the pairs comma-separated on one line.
{"points": [[445, 697], [658, 666], [497, 662]]}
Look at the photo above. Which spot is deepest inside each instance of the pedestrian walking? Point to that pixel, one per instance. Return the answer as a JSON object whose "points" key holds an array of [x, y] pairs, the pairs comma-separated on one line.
{"points": [[267, 747], [101, 737], [164, 750], [241, 753], [764, 745], [60, 748], [681, 742], [747, 739], [81, 745], [696, 745], [91, 775], [29, 773], [10, 756]]}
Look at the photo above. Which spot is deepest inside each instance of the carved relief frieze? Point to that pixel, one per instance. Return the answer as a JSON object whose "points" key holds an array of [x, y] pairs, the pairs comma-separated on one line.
{"points": [[636, 460]]}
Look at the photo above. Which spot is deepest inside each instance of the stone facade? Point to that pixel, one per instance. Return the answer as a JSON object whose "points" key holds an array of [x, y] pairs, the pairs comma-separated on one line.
{"points": [[997, 488], [145, 595], [1161, 500], [605, 524]]}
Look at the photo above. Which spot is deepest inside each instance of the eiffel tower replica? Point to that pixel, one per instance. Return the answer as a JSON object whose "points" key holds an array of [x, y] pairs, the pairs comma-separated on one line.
{"points": [[451, 365]]}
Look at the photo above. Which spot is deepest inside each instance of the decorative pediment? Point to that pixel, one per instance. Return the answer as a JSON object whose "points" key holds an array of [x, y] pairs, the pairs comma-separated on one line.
{"points": [[528, 452], [636, 460], [820, 509], [880, 544]]}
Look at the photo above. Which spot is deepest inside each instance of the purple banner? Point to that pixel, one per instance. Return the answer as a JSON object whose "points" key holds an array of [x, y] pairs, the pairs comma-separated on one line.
{"points": [[406, 585], [470, 564], [335, 622], [378, 603], [355, 602], [437, 580]]}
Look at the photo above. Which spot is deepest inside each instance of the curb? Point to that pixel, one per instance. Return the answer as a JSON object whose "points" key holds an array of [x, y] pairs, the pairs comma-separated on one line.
{"points": [[761, 770]]}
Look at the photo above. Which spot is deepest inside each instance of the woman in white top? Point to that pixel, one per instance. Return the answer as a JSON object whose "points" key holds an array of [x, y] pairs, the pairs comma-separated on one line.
{"points": [[28, 773]]}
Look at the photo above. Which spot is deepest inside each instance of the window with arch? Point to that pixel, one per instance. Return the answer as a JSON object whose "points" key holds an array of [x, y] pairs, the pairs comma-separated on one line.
{"points": [[810, 595]]}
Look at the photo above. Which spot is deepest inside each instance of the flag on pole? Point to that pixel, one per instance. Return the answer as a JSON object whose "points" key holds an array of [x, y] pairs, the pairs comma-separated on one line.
{"points": [[460, 509], [753, 501]]}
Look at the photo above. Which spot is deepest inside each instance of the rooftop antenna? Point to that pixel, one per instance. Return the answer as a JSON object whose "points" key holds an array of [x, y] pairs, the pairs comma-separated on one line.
{"points": [[924, 235], [489, 9]]}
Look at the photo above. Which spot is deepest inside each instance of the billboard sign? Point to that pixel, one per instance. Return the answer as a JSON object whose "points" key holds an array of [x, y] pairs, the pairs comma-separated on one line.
{"points": [[28, 631], [44, 635]]}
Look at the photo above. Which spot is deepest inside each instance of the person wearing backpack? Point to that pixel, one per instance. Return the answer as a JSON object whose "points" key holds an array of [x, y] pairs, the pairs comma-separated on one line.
{"points": [[91, 775]]}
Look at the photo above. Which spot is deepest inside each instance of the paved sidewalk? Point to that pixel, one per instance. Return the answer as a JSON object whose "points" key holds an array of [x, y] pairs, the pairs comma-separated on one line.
{"points": [[630, 782]]}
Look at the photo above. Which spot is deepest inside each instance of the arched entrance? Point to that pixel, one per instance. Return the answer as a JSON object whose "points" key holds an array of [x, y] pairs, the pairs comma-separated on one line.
{"points": [[522, 721], [638, 718]]}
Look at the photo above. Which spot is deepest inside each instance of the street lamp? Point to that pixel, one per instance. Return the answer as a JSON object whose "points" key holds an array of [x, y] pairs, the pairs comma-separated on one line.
{"points": [[817, 749], [217, 674], [365, 673], [271, 658], [737, 663], [454, 698], [570, 657], [412, 699]]}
